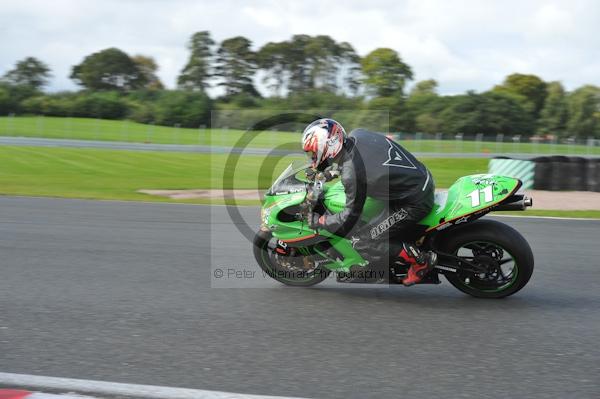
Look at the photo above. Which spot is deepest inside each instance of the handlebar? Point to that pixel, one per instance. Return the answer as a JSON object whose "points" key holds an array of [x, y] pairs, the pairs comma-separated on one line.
{"points": [[315, 187]]}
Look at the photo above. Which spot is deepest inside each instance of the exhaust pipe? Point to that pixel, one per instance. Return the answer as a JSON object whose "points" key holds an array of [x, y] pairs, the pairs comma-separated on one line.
{"points": [[519, 203]]}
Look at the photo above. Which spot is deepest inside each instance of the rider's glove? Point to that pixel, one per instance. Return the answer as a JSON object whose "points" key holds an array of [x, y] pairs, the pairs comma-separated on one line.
{"points": [[331, 174], [316, 221]]}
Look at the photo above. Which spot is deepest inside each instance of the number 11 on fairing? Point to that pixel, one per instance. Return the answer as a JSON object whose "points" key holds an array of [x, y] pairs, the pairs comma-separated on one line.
{"points": [[475, 196]]}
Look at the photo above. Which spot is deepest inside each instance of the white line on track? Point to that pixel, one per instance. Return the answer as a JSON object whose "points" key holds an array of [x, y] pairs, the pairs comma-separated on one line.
{"points": [[116, 388], [11, 394], [541, 217]]}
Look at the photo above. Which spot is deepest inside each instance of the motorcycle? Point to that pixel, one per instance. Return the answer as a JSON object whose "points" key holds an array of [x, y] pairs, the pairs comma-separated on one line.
{"points": [[480, 257]]}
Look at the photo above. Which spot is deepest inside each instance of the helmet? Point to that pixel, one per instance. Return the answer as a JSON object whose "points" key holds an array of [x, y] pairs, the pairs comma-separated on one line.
{"points": [[322, 140]]}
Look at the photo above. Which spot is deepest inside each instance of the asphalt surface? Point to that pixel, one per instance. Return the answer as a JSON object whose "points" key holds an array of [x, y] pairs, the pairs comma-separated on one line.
{"points": [[122, 292], [121, 145]]}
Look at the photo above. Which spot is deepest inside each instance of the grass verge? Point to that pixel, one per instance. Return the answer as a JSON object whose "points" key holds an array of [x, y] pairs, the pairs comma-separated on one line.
{"points": [[128, 131], [122, 130], [554, 213], [116, 174]]}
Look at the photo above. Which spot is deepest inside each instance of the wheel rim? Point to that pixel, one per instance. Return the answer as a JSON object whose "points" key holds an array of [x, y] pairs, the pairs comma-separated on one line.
{"points": [[286, 265], [499, 267]]}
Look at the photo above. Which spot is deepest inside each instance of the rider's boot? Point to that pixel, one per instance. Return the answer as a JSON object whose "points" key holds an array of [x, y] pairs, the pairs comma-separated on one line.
{"points": [[420, 263]]}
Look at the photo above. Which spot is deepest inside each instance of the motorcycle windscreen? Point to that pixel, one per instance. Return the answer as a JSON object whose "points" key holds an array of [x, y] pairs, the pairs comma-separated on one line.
{"points": [[290, 180]]}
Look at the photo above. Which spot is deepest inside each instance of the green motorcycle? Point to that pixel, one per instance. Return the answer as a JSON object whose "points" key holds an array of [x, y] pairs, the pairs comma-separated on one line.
{"points": [[483, 258]]}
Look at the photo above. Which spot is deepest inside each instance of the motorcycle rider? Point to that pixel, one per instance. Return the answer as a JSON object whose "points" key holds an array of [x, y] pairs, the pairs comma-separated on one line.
{"points": [[370, 164]]}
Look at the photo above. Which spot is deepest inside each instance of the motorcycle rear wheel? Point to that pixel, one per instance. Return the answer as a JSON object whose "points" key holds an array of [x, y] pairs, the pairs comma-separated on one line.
{"points": [[501, 250]]}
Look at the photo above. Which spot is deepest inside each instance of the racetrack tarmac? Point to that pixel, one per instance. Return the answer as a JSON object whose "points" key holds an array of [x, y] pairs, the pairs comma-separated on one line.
{"points": [[122, 292], [214, 149]]}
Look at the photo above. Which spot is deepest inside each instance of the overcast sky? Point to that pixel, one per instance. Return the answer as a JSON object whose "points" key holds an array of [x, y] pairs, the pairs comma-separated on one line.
{"points": [[464, 45]]}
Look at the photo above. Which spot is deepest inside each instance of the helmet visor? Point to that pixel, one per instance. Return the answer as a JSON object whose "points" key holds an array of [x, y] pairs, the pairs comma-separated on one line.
{"points": [[312, 158]]}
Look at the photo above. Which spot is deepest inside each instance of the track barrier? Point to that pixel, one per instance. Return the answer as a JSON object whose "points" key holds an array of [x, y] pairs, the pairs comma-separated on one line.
{"points": [[552, 173]]}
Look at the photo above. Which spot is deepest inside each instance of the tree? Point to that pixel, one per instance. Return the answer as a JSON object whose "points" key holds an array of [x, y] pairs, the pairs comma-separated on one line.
{"points": [[429, 123], [29, 72], [351, 64], [305, 63], [148, 68], [187, 108], [554, 114], [385, 72], [109, 69], [487, 113], [530, 87], [422, 109], [197, 72], [503, 113], [272, 58], [5, 103], [383, 114], [12, 96], [330, 64], [300, 75], [584, 112], [425, 87], [322, 54], [236, 64]]}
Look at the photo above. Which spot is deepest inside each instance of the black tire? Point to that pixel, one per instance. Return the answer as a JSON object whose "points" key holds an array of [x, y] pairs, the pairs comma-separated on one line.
{"points": [[495, 233], [263, 256]]}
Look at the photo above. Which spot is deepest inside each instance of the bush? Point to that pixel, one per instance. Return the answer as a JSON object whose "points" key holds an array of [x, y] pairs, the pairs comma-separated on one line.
{"points": [[107, 105], [487, 113], [5, 103], [142, 112], [52, 105], [188, 109], [11, 97], [88, 105]]}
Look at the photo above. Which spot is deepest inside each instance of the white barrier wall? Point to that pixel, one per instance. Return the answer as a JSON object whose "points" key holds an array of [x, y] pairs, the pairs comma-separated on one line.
{"points": [[522, 170]]}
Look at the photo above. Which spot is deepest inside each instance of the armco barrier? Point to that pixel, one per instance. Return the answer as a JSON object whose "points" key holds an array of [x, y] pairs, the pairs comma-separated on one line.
{"points": [[555, 173], [522, 170]]}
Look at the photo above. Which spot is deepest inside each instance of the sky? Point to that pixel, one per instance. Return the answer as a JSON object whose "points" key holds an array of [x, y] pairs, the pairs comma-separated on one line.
{"points": [[463, 44]]}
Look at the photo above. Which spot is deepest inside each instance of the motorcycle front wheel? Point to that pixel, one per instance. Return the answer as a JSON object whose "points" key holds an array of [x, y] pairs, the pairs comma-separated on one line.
{"points": [[297, 269]]}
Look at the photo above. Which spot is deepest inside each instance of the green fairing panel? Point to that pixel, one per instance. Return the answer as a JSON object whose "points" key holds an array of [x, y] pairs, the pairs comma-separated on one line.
{"points": [[273, 204], [298, 230], [335, 201], [469, 195]]}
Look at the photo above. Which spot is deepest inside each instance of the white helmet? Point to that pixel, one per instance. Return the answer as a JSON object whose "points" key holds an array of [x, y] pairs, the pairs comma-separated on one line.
{"points": [[323, 139]]}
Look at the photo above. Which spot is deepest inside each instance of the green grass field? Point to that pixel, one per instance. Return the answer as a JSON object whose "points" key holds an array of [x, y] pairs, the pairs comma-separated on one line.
{"points": [[109, 130], [114, 174], [122, 130], [564, 214]]}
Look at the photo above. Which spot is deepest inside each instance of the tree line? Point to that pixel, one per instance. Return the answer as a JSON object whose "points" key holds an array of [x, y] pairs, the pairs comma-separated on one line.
{"points": [[313, 73]]}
